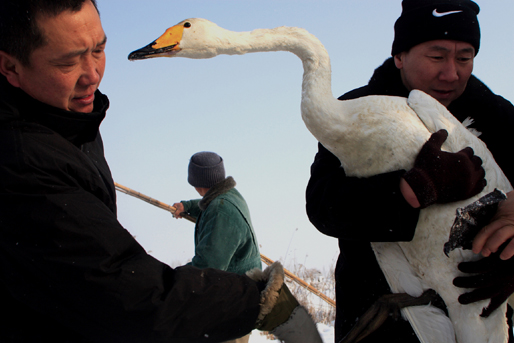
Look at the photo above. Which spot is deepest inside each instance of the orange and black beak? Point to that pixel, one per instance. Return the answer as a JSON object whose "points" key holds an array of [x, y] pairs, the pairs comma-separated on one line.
{"points": [[166, 45]]}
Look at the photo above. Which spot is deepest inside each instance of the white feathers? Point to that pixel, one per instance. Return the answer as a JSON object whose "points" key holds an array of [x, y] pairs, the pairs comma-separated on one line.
{"points": [[467, 123]]}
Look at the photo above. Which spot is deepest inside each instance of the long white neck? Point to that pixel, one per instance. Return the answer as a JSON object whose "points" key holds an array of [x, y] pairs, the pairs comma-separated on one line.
{"points": [[317, 97], [296, 40]]}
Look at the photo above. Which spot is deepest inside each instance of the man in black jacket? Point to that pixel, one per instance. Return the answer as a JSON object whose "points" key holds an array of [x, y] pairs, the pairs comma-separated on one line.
{"points": [[69, 272], [434, 47]]}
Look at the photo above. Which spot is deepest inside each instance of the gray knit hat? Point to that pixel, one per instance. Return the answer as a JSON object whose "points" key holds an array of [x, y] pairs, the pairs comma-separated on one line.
{"points": [[426, 20], [205, 169]]}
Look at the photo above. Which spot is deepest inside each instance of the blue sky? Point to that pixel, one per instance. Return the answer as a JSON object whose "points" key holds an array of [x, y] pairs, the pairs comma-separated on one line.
{"points": [[247, 109]]}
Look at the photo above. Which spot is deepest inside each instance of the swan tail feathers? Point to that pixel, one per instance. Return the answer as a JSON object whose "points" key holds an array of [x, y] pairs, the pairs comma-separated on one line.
{"points": [[430, 324]]}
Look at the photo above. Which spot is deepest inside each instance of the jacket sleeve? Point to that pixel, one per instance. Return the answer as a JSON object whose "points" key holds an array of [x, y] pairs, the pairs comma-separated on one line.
{"points": [[497, 130], [219, 235], [64, 254], [370, 209], [191, 207]]}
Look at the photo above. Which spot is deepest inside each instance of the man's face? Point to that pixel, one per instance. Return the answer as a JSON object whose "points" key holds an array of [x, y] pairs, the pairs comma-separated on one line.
{"points": [[67, 70], [440, 68]]}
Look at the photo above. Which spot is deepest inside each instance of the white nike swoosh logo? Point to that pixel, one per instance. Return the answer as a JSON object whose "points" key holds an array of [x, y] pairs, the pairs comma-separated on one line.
{"points": [[442, 14]]}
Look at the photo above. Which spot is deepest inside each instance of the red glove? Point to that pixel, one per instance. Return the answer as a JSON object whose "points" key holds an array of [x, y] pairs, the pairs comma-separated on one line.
{"points": [[442, 177]]}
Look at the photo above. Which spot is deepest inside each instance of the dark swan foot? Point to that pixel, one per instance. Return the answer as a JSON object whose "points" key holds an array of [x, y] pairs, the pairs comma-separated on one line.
{"points": [[386, 306], [470, 219]]}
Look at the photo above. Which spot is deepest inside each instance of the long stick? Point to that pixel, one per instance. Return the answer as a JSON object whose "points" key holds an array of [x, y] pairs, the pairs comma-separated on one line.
{"points": [[264, 259], [301, 282], [152, 201]]}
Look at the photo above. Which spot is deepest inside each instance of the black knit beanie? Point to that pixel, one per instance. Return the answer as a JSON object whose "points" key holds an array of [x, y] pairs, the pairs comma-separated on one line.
{"points": [[425, 20], [205, 169]]}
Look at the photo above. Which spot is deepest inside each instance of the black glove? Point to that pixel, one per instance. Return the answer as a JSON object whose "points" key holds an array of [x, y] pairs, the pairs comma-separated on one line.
{"points": [[443, 177], [493, 279]]}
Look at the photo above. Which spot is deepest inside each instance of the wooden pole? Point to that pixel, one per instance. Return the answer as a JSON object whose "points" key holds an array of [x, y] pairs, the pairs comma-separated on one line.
{"points": [[301, 282], [152, 201], [264, 259]]}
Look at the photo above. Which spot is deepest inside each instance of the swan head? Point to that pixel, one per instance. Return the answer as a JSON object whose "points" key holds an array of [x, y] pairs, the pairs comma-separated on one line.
{"points": [[191, 38]]}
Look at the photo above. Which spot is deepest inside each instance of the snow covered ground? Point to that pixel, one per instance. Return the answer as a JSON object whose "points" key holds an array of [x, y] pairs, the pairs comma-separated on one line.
{"points": [[326, 332]]}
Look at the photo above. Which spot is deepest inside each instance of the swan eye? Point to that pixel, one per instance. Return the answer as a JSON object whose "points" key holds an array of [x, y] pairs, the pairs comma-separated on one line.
{"points": [[187, 24]]}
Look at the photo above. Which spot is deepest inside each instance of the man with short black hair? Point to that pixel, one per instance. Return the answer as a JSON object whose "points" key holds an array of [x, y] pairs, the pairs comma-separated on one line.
{"points": [[69, 272]]}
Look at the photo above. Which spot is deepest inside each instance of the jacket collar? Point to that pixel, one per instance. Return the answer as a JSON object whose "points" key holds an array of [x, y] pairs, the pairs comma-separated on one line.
{"points": [[387, 80], [76, 127], [215, 191]]}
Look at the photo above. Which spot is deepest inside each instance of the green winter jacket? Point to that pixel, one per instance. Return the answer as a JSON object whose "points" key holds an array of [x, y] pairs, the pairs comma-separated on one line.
{"points": [[224, 236]]}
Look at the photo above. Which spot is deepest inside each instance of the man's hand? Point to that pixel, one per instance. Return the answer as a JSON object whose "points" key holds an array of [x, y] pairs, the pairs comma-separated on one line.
{"points": [[281, 314], [179, 210], [498, 231], [442, 177], [492, 278]]}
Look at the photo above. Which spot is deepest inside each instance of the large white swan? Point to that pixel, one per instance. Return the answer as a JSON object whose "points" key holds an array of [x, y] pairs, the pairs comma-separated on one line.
{"points": [[371, 135]]}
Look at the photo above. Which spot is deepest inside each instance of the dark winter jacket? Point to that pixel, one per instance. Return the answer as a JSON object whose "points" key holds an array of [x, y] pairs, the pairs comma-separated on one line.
{"points": [[69, 272], [358, 211], [224, 236]]}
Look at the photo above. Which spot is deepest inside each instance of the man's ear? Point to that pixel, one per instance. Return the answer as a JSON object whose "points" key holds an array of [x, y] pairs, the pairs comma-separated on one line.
{"points": [[9, 66], [398, 60]]}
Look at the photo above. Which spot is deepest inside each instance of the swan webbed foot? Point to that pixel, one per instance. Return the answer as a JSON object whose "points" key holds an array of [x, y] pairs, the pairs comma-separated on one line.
{"points": [[470, 219], [388, 305]]}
